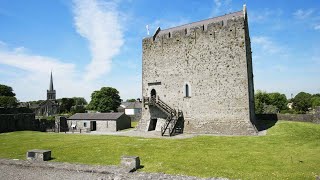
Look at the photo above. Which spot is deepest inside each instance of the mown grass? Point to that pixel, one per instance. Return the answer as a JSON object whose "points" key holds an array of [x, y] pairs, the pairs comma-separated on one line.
{"points": [[290, 150], [134, 123]]}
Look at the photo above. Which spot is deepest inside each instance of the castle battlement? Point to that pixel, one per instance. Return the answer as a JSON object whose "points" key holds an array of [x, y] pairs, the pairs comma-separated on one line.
{"points": [[208, 25]]}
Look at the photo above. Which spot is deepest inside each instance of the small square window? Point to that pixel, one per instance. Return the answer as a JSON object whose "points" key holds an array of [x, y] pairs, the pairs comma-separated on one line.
{"points": [[85, 124]]}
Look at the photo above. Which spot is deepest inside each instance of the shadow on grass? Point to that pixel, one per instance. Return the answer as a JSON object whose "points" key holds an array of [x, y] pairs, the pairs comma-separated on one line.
{"points": [[266, 121]]}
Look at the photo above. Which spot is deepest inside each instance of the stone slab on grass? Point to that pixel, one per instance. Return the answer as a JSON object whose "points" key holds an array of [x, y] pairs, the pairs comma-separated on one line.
{"points": [[131, 163], [39, 155]]}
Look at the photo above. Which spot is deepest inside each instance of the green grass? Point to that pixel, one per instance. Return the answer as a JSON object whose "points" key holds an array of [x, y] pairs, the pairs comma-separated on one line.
{"points": [[291, 150], [134, 123]]}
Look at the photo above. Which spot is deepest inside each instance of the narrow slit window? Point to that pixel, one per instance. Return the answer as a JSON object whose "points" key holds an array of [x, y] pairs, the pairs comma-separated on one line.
{"points": [[187, 90]]}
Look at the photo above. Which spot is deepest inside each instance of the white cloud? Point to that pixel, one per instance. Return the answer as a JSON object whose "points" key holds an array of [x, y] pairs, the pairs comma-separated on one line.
{"points": [[31, 83], [264, 15], [317, 27], [266, 45], [33, 63], [99, 23], [221, 6], [2, 44], [303, 14]]}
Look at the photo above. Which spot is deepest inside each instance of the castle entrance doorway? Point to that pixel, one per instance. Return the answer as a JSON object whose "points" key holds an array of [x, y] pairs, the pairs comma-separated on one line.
{"points": [[153, 93], [153, 124]]}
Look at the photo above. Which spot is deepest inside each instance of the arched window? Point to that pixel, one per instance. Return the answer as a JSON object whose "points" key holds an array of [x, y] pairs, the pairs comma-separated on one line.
{"points": [[187, 90]]}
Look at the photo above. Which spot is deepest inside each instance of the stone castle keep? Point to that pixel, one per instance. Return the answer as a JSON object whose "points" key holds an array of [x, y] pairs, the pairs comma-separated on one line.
{"points": [[197, 78]]}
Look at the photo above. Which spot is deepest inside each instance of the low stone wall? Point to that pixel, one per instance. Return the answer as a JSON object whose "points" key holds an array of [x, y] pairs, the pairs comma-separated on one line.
{"points": [[23, 121], [313, 118], [17, 122]]}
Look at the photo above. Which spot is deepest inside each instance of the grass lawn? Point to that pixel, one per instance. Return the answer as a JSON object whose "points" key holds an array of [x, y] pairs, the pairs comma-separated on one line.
{"points": [[291, 150], [134, 123]]}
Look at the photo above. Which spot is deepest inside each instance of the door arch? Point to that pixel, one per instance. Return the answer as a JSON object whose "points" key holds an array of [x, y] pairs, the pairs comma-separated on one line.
{"points": [[153, 93]]}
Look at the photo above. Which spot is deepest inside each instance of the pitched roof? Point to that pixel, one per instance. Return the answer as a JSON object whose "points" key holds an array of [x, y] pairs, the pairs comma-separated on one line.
{"points": [[96, 116], [131, 105]]}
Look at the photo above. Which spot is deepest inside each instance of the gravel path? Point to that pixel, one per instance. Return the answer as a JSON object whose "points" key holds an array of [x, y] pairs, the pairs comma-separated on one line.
{"points": [[154, 134], [19, 169]]}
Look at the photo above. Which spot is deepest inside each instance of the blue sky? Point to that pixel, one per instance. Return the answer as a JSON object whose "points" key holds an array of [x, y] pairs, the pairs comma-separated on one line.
{"points": [[89, 44]]}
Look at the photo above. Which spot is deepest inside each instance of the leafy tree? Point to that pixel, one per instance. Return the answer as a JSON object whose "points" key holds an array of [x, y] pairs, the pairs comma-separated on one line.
{"points": [[302, 101], [8, 101], [131, 100], [261, 99], [79, 101], [78, 109], [270, 109], [315, 101], [66, 104], [105, 100], [7, 98], [6, 91], [278, 100], [316, 95]]}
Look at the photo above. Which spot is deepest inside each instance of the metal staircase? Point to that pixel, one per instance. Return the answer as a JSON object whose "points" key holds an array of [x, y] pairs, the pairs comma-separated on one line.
{"points": [[169, 128]]}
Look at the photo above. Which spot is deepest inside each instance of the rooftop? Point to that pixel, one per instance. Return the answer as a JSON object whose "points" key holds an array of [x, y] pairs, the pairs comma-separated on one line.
{"points": [[96, 116]]}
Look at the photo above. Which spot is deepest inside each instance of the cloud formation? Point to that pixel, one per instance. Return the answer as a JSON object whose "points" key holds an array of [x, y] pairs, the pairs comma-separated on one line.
{"points": [[99, 23], [34, 77], [303, 14], [266, 45], [264, 15], [317, 27], [221, 6]]}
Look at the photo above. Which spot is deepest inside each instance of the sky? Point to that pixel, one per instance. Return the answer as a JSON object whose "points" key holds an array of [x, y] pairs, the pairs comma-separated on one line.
{"points": [[89, 44]]}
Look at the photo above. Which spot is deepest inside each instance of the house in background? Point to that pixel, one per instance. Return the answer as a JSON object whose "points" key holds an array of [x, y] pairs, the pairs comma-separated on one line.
{"points": [[100, 122], [132, 109]]}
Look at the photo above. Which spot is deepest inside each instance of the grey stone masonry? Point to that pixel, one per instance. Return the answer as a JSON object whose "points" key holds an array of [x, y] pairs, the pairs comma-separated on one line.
{"points": [[204, 70], [39, 155], [130, 163]]}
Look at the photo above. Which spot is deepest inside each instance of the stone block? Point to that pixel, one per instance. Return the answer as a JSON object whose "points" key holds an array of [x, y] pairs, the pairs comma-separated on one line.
{"points": [[130, 163], [39, 155]]}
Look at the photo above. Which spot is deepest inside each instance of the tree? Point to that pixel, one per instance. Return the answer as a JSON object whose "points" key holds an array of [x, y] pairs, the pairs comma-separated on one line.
{"points": [[261, 99], [105, 100], [278, 100], [7, 98], [6, 91], [79, 101], [302, 101], [66, 104], [8, 101], [78, 109], [131, 100], [315, 101]]}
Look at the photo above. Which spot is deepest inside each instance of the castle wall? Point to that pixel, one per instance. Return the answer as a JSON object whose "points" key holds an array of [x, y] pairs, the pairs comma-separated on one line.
{"points": [[213, 60]]}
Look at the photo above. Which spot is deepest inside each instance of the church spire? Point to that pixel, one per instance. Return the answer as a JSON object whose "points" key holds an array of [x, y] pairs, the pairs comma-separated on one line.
{"points": [[51, 93], [51, 83]]}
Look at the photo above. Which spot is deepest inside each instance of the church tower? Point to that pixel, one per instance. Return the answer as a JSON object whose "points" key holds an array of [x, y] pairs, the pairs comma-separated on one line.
{"points": [[51, 93]]}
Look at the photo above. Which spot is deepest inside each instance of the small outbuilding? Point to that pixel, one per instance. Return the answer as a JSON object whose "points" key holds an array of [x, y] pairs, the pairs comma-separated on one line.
{"points": [[132, 109], [101, 122]]}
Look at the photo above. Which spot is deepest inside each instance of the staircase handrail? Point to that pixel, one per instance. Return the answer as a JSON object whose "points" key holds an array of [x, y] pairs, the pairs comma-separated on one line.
{"points": [[172, 117]]}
